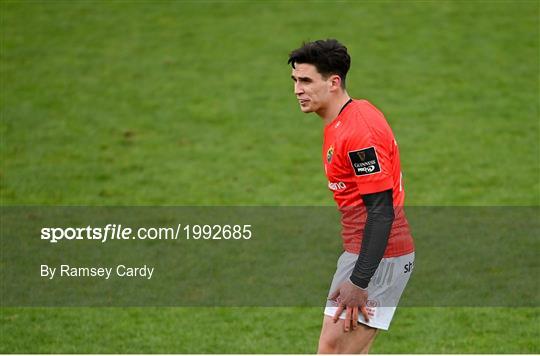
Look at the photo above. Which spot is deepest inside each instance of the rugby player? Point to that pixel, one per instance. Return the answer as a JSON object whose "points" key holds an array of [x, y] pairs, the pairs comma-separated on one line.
{"points": [[361, 161]]}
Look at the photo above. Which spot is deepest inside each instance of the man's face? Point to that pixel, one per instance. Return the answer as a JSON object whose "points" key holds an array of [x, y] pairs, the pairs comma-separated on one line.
{"points": [[310, 87]]}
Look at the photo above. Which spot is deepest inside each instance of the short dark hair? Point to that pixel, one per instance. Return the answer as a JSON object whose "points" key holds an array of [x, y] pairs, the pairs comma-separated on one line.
{"points": [[328, 56]]}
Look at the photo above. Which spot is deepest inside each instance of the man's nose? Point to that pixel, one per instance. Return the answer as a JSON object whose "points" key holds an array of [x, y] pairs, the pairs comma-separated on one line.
{"points": [[298, 89]]}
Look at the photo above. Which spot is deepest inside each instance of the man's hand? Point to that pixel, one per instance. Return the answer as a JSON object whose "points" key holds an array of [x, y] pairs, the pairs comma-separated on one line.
{"points": [[351, 298]]}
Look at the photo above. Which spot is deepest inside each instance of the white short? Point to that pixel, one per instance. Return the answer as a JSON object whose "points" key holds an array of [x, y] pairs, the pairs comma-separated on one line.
{"points": [[384, 289]]}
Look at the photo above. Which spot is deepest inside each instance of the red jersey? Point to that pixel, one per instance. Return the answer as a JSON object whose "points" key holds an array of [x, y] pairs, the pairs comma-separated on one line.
{"points": [[361, 156]]}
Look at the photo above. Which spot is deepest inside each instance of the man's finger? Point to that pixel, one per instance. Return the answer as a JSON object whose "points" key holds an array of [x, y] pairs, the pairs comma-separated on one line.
{"points": [[355, 318], [334, 295], [364, 313], [348, 316], [338, 313]]}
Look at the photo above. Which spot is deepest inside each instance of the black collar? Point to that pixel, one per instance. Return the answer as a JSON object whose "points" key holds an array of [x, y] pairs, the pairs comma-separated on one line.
{"points": [[343, 107]]}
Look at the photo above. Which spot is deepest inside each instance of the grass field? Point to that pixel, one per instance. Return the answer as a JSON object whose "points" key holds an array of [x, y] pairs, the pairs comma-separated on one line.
{"points": [[190, 103], [258, 330]]}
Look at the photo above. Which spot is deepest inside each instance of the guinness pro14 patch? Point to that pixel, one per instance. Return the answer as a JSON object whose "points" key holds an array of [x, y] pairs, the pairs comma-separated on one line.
{"points": [[364, 161]]}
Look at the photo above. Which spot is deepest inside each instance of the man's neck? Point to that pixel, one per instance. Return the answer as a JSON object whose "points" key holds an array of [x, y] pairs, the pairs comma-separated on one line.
{"points": [[332, 111]]}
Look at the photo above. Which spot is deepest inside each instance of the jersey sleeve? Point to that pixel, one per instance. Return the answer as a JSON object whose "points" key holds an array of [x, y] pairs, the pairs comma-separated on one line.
{"points": [[369, 158]]}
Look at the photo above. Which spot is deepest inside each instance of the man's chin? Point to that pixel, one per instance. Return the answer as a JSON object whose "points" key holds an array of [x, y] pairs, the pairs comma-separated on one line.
{"points": [[305, 109]]}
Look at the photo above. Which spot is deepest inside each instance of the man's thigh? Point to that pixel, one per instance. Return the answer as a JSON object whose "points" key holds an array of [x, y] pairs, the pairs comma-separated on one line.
{"points": [[335, 340]]}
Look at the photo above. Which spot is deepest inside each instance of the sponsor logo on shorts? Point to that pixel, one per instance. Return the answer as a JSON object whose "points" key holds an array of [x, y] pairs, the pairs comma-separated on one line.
{"points": [[372, 303], [371, 308], [408, 267]]}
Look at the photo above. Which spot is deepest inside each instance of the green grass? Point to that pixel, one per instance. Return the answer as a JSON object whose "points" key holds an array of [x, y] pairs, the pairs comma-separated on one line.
{"points": [[146, 104], [258, 330], [190, 103]]}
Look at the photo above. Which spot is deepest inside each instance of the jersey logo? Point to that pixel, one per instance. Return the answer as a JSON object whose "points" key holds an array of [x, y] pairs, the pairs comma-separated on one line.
{"points": [[365, 161], [330, 154], [336, 186]]}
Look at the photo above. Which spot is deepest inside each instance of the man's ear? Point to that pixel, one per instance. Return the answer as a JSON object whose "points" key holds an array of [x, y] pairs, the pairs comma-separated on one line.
{"points": [[335, 82]]}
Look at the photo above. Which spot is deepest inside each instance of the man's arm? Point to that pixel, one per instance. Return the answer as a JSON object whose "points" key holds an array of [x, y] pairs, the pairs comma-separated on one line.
{"points": [[380, 216]]}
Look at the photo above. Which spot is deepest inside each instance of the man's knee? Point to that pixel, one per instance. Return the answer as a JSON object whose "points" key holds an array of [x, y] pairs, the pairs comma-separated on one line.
{"points": [[329, 338], [328, 345], [334, 341], [337, 346]]}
